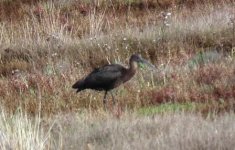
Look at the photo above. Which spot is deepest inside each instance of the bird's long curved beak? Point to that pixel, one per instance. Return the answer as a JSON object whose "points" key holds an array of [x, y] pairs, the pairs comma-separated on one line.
{"points": [[148, 63]]}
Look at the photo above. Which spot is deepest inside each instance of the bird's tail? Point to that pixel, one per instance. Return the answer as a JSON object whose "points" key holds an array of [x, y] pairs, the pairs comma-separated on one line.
{"points": [[79, 85]]}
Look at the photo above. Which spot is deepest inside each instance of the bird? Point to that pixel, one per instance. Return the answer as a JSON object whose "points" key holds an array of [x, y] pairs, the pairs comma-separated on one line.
{"points": [[110, 76]]}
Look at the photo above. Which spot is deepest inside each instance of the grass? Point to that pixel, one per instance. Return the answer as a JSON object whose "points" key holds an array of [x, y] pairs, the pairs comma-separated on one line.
{"points": [[188, 103], [103, 131], [19, 131], [168, 108], [193, 56]]}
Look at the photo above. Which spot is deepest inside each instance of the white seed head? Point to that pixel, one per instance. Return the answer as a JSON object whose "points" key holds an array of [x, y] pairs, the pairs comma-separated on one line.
{"points": [[54, 54], [168, 14], [167, 24]]}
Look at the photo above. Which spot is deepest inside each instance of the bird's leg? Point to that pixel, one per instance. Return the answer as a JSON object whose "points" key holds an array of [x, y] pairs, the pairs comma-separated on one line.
{"points": [[113, 99], [104, 100]]}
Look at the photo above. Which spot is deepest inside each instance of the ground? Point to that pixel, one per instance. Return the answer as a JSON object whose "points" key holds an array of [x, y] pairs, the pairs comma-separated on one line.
{"points": [[187, 103]]}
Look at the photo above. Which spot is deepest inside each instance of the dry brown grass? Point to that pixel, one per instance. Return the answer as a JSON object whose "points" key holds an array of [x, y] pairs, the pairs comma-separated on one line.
{"points": [[172, 131], [45, 46], [100, 130], [19, 131], [52, 44]]}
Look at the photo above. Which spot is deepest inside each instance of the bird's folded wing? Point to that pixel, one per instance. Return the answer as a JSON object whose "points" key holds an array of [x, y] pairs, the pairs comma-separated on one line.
{"points": [[106, 74]]}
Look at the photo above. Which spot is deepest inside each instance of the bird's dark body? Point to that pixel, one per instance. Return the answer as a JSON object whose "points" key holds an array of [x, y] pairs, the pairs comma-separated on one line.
{"points": [[105, 78], [109, 77]]}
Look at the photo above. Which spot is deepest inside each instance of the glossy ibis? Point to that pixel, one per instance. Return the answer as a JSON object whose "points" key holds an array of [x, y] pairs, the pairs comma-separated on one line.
{"points": [[110, 76]]}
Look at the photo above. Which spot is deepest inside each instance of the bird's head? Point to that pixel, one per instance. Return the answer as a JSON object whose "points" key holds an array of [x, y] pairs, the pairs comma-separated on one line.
{"points": [[137, 59]]}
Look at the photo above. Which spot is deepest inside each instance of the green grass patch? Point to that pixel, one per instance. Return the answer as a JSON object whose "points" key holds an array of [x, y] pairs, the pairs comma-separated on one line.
{"points": [[168, 107]]}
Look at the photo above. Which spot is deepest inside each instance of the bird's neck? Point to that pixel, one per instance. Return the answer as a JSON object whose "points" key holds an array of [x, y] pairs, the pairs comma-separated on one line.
{"points": [[130, 71], [133, 67]]}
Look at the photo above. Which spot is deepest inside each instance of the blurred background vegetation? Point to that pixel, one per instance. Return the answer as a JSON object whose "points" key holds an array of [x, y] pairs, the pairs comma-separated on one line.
{"points": [[47, 45]]}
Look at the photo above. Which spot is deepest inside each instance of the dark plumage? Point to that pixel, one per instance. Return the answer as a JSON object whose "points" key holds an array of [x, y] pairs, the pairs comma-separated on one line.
{"points": [[109, 77]]}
